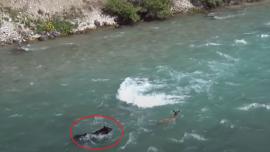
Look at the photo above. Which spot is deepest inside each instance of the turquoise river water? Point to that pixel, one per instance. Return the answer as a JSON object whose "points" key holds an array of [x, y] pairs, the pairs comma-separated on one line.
{"points": [[216, 70]]}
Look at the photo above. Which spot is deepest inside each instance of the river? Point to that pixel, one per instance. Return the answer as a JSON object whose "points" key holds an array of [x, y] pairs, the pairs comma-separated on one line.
{"points": [[216, 70]]}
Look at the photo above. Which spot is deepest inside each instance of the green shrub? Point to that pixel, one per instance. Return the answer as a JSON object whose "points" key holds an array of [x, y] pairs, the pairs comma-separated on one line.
{"points": [[46, 26], [211, 4], [157, 9], [64, 27], [125, 11]]}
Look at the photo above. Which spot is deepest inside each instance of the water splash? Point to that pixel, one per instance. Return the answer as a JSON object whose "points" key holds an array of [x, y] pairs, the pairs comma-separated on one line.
{"points": [[139, 92], [254, 106]]}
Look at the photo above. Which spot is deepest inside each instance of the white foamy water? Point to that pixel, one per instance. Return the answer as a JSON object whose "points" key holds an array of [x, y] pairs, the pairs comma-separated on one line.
{"points": [[241, 41], [131, 140], [32, 48], [250, 33], [197, 81], [100, 137], [268, 23], [58, 114], [226, 123], [221, 68], [16, 115], [224, 17], [138, 92], [100, 80], [228, 57], [264, 35], [212, 44], [254, 106], [152, 149], [69, 43], [94, 139], [228, 16], [188, 136], [218, 16], [63, 84], [205, 45], [232, 84], [200, 85], [223, 121], [194, 136]]}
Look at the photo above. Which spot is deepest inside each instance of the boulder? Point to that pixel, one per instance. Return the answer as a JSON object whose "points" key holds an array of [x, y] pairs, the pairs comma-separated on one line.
{"points": [[97, 23], [181, 6]]}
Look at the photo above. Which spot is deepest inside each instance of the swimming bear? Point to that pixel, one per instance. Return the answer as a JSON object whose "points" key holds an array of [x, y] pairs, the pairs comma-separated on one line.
{"points": [[103, 131], [96, 136]]}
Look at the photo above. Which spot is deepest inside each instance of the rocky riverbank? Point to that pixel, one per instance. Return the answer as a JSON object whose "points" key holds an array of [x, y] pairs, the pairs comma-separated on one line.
{"points": [[22, 21]]}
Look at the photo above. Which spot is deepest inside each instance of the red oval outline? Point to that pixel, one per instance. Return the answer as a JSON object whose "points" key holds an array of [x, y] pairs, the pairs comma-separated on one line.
{"points": [[116, 122]]}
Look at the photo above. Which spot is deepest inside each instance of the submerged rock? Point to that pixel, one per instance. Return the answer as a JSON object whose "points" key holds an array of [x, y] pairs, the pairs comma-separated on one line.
{"points": [[54, 34], [43, 38]]}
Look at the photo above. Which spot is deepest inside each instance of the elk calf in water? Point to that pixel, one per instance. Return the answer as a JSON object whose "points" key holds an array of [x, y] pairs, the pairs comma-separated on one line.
{"points": [[171, 119]]}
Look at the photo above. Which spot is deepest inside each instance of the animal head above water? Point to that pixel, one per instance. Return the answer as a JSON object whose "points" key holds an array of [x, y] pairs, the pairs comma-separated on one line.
{"points": [[175, 113]]}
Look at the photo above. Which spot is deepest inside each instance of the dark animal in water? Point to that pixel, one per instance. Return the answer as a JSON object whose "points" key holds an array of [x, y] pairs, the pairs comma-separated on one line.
{"points": [[171, 119], [103, 131], [92, 137]]}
